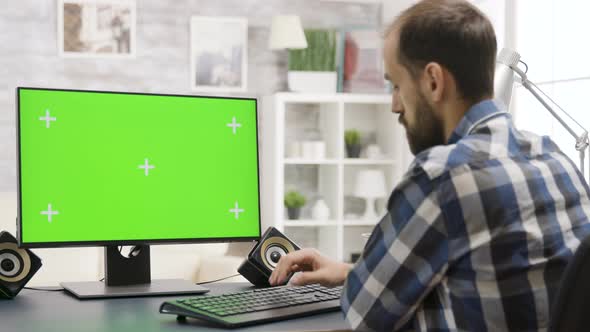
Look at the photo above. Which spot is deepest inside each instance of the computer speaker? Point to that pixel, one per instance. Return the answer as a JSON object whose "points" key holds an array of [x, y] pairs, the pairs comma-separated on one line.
{"points": [[17, 266], [264, 257]]}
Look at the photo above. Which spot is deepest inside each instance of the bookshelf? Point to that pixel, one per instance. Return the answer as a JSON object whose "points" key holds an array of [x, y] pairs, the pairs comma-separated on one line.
{"points": [[291, 120]]}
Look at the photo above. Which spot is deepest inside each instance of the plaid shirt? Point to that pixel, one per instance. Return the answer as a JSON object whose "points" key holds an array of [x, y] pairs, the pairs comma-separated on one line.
{"points": [[477, 234]]}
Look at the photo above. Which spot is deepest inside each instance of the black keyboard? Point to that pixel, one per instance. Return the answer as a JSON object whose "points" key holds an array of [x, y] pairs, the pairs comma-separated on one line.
{"points": [[258, 305]]}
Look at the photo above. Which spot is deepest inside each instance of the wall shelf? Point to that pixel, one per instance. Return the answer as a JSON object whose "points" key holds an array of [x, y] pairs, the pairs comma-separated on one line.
{"points": [[298, 117], [292, 161], [348, 222], [360, 161], [309, 223]]}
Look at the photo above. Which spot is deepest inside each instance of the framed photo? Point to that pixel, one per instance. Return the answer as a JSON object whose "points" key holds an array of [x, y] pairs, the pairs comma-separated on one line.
{"points": [[96, 28], [362, 67], [218, 54]]}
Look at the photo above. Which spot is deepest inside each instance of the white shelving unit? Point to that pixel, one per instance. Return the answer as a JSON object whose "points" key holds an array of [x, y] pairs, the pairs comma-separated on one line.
{"points": [[296, 117]]}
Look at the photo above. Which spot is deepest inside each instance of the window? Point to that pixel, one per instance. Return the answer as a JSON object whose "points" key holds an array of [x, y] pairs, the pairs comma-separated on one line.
{"points": [[550, 36]]}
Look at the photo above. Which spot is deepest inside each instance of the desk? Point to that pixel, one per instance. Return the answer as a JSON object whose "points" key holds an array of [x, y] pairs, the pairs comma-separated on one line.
{"points": [[60, 312]]}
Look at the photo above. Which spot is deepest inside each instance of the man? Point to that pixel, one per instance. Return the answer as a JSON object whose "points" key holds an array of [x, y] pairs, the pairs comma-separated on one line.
{"points": [[481, 227]]}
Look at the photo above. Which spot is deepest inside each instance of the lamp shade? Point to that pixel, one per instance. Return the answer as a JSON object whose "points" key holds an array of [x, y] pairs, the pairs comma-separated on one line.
{"points": [[504, 75], [370, 183], [286, 32]]}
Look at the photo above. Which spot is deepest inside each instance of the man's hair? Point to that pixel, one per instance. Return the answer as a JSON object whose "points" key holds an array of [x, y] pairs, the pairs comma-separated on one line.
{"points": [[454, 34]]}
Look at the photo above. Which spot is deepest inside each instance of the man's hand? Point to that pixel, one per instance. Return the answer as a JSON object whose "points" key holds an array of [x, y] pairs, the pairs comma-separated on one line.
{"points": [[315, 268]]}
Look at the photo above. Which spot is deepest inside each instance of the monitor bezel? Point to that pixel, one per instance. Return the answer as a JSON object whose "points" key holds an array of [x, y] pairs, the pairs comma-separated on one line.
{"points": [[135, 241]]}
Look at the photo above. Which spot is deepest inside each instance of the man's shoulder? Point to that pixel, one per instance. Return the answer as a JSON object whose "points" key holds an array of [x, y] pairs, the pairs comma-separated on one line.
{"points": [[485, 147], [440, 159]]}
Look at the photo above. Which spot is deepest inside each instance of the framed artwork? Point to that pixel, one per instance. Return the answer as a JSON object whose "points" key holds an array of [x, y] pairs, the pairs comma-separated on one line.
{"points": [[218, 54], [96, 28], [361, 64]]}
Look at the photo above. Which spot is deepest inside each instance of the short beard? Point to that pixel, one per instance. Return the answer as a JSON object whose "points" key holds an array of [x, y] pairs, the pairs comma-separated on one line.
{"points": [[427, 131]]}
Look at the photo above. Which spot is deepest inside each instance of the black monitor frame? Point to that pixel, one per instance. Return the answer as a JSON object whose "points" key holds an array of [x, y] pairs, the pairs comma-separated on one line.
{"points": [[126, 242], [127, 276]]}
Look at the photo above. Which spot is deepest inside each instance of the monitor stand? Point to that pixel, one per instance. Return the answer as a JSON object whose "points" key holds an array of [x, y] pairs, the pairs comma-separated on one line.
{"points": [[128, 277]]}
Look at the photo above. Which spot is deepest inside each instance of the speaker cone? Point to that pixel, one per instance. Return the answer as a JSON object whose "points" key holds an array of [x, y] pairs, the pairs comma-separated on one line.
{"points": [[10, 264], [273, 249], [273, 254], [15, 263]]}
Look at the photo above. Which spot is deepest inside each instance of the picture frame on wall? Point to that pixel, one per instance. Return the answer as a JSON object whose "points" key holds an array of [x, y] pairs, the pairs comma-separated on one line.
{"points": [[219, 64], [96, 28], [362, 67]]}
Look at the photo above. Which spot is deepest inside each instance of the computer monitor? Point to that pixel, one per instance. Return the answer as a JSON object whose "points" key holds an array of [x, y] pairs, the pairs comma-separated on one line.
{"points": [[98, 168]]}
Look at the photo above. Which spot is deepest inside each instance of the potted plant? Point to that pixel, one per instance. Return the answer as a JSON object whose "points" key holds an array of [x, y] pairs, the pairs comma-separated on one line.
{"points": [[313, 69], [352, 139], [293, 202]]}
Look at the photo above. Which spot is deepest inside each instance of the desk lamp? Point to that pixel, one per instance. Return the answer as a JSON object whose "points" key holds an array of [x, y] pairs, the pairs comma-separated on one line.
{"points": [[507, 71]]}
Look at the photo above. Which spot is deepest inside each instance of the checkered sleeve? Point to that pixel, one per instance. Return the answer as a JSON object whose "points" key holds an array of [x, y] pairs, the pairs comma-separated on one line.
{"points": [[404, 259]]}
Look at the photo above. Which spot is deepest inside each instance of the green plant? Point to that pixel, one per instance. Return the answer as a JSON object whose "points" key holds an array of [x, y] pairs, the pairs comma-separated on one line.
{"points": [[293, 199], [352, 137], [320, 54]]}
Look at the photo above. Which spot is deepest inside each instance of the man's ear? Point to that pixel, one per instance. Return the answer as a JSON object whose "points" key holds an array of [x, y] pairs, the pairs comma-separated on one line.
{"points": [[433, 81]]}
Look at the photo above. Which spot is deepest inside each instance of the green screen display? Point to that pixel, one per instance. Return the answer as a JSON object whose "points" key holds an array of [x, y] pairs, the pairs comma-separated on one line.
{"points": [[104, 166]]}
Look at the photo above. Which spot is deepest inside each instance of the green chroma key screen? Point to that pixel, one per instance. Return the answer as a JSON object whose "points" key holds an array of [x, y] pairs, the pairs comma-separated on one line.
{"points": [[105, 167]]}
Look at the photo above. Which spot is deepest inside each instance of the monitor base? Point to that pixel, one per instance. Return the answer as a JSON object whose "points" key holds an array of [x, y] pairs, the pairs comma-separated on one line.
{"points": [[98, 289]]}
